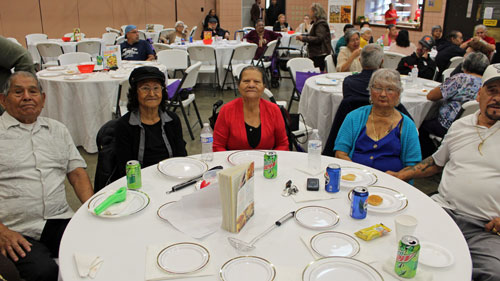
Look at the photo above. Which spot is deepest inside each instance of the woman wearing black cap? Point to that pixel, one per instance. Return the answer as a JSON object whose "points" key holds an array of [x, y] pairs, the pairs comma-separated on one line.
{"points": [[148, 132]]}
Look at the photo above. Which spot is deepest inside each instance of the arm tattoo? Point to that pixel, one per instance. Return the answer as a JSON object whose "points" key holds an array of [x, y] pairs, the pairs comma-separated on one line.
{"points": [[427, 163]]}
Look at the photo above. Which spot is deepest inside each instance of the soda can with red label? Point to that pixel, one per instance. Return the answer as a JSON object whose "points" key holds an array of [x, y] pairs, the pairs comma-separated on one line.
{"points": [[407, 257], [270, 165]]}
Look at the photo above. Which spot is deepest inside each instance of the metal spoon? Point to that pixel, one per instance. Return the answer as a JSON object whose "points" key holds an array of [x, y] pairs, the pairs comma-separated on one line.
{"points": [[244, 246]]}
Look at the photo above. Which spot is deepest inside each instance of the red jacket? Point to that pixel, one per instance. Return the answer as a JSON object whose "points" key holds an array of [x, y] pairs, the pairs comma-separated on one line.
{"points": [[230, 132]]}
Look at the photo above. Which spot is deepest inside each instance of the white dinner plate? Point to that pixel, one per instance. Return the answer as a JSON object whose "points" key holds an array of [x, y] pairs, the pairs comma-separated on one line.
{"points": [[334, 244], [182, 167], [392, 200], [247, 268], [75, 77], [340, 268], [50, 74], [361, 177], [434, 255], [245, 156], [327, 82], [119, 76], [162, 211], [335, 76], [137, 203], [316, 217], [182, 258], [56, 68], [416, 92]]}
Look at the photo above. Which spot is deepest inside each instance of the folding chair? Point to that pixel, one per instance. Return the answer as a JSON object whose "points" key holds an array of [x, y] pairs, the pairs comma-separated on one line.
{"points": [[35, 38], [123, 28], [207, 55], [121, 100], [161, 47], [174, 60], [391, 60], [91, 47], [330, 65], [165, 32], [74, 58], [455, 61], [158, 27], [142, 35], [447, 73], [241, 32], [120, 39], [112, 30], [109, 38], [268, 53], [240, 55], [294, 65], [49, 52], [188, 81]]}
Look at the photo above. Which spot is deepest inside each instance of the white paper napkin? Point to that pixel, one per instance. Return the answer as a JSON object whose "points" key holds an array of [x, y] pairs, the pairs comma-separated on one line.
{"points": [[197, 214], [305, 195], [422, 274], [87, 265], [154, 272], [306, 239]]}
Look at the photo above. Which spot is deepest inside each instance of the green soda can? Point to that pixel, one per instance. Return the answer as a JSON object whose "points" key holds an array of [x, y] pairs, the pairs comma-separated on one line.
{"points": [[99, 60], [407, 257], [133, 170], [270, 165]]}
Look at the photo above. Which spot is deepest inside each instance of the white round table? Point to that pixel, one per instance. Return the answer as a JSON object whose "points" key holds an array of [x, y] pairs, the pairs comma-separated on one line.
{"points": [[319, 104], [85, 105], [122, 243]]}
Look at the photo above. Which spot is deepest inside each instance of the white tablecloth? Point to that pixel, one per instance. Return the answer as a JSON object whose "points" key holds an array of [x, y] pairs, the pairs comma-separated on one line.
{"points": [[318, 104], [68, 47], [84, 105], [122, 242], [223, 51]]}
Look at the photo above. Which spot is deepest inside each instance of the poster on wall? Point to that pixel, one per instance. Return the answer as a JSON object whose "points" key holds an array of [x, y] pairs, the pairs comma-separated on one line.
{"points": [[339, 13], [433, 5]]}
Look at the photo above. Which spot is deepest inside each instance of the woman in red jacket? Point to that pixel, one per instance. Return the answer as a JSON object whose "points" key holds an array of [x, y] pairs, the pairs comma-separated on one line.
{"points": [[250, 122]]}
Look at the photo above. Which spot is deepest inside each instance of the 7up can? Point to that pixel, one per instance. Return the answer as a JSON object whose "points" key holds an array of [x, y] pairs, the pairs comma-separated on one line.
{"points": [[407, 257], [133, 170], [270, 165]]}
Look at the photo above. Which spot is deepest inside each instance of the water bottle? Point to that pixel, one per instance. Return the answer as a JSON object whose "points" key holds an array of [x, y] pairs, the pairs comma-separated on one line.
{"points": [[380, 42], [314, 148], [238, 37], [414, 75], [207, 140]]}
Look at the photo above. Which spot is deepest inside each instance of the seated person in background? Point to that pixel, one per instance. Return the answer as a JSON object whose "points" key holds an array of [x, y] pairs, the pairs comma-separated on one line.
{"points": [[356, 85], [281, 25], [437, 35], [135, 49], [348, 58], [215, 29], [449, 49], [470, 181], [176, 36], [421, 59], [211, 14], [378, 135], [366, 24], [402, 45], [473, 47], [250, 122], [341, 42], [261, 37], [481, 35], [305, 26], [148, 132], [36, 155], [454, 92], [366, 36], [391, 33]]}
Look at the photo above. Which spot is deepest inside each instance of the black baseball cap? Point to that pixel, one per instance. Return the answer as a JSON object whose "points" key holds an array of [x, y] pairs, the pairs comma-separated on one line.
{"points": [[146, 72], [212, 19], [427, 41]]}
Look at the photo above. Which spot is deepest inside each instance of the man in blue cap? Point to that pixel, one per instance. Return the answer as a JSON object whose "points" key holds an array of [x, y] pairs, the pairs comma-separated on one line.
{"points": [[133, 48]]}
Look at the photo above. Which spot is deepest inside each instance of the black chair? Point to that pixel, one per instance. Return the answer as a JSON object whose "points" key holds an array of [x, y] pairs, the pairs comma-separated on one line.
{"points": [[106, 158], [346, 106]]}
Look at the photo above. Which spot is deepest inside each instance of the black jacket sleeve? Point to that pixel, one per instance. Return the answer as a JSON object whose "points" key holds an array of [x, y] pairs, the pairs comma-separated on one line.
{"points": [[173, 130], [124, 146]]}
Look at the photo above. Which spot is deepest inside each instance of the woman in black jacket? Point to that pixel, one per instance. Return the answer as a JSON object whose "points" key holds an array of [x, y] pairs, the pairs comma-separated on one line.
{"points": [[148, 132]]}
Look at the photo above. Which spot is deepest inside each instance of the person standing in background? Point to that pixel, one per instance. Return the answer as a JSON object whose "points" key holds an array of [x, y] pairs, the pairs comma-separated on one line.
{"points": [[273, 12], [257, 12], [391, 15]]}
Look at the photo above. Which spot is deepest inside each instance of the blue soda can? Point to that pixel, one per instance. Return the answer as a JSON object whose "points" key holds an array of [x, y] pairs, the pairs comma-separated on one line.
{"points": [[190, 39], [359, 202], [332, 178], [183, 41]]}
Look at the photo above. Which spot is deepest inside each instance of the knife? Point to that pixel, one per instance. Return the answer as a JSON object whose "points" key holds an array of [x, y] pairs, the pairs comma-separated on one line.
{"points": [[191, 181]]}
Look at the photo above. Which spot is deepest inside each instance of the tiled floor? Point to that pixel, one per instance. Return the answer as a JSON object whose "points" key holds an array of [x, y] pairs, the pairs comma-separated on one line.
{"points": [[205, 99]]}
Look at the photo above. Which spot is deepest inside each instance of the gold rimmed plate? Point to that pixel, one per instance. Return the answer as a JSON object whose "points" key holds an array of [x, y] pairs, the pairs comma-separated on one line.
{"points": [[340, 268], [182, 167], [316, 217], [162, 211], [392, 200], [136, 201], [247, 268], [334, 244], [352, 177], [183, 258], [245, 156]]}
